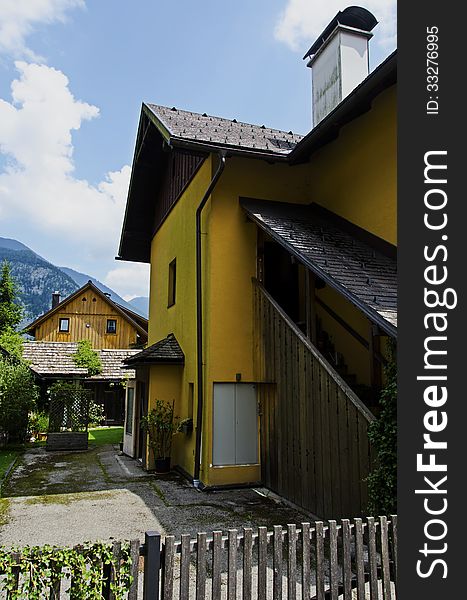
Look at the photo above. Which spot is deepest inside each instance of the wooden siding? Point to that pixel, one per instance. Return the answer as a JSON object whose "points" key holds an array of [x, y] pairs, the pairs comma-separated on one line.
{"points": [[181, 167], [314, 443], [93, 311]]}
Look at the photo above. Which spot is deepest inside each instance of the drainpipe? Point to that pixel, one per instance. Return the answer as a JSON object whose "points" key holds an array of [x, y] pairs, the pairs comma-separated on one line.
{"points": [[199, 318]]}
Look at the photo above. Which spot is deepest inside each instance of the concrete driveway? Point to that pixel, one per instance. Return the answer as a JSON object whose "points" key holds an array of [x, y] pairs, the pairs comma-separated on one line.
{"points": [[65, 498]]}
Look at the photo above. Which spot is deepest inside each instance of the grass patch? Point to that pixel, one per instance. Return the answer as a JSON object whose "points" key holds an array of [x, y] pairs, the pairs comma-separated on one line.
{"points": [[67, 499], [6, 458], [106, 435]]}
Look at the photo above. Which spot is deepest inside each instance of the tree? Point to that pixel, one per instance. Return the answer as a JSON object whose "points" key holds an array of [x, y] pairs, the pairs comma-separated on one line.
{"points": [[11, 312], [87, 358]]}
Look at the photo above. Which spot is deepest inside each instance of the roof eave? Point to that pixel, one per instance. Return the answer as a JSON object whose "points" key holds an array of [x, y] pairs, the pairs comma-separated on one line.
{"points": [[371, 313]]}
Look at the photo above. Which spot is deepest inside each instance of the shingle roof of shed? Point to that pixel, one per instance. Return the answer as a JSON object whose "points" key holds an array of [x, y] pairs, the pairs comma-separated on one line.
{"points": [[207, 129], [56, 359], [363, 275], [166, 351]]}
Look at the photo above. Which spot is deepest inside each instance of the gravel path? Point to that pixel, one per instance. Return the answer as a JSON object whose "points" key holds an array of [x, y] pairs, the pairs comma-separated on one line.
{"points": [[68, 498]]}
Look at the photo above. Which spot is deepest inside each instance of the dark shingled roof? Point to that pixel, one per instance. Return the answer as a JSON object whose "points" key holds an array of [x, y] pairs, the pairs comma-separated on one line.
{"points": [[166, 351], [365, 276], [216, 131], [55, 359]]}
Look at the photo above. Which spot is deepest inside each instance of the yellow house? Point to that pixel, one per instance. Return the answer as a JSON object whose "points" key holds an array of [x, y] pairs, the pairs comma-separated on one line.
{"points": [[273, 286]]}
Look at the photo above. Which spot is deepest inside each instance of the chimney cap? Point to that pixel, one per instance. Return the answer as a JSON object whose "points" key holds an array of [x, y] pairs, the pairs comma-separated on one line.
{"points": [[352, 16]]}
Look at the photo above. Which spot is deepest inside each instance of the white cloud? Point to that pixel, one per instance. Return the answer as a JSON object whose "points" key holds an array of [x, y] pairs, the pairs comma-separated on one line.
{"points": [[18, 19], [131, 277], [37, 185], [303, 20]]}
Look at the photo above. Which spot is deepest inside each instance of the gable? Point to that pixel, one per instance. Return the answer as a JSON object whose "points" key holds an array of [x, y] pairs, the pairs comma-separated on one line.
{"points": [[159, 176], [89, 307]]}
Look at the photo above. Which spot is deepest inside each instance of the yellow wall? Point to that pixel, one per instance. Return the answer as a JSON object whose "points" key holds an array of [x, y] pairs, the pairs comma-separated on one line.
{"points": [[355, 176], [355, 354], [176, 239], [93, 311], [165, 383]]}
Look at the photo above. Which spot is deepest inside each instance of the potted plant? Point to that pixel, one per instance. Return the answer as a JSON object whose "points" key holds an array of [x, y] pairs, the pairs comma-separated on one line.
{"points": [[160, 425], [185, 426]]}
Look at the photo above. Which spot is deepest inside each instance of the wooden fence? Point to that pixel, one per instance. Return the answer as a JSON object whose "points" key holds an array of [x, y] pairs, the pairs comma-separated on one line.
{"points": [[347, 560], [314, 429]]}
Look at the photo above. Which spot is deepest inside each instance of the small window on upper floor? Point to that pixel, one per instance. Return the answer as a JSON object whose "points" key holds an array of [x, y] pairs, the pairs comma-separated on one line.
{"points": [[111, 326], [172, 282], [64, 325]]}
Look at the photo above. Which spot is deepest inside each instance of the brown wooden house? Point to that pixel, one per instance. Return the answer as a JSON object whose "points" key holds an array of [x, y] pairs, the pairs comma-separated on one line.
{"points": [[89, 314], [113, 330]]}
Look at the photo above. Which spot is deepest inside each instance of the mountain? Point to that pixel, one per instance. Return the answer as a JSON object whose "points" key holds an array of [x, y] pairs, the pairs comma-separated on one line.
{"points": [[82, 278], [140, 304], [37, 279]]}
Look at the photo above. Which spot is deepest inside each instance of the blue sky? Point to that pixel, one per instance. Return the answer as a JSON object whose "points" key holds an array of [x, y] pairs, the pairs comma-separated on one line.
{"points": [[73, 74]]}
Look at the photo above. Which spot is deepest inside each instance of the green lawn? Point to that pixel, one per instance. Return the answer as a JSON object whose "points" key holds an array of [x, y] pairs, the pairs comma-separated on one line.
{"points": [[106, 435], [6, 458]]}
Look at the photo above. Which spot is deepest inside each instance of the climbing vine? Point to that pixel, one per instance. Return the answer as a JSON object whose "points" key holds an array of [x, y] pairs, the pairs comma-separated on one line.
{"points": [[382, 481], [32, 572]]}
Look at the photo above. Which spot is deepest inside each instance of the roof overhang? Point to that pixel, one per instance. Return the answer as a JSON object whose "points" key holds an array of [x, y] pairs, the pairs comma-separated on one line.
{"points": [[353, 267]]}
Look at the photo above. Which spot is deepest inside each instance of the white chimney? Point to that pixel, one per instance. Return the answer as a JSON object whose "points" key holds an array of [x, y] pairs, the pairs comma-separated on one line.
{"points": [[339, 59]]}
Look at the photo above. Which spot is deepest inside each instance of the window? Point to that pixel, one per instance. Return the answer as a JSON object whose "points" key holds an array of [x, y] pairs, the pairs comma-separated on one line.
{"points": [[172, 282], [111, 325], [64, 325]]}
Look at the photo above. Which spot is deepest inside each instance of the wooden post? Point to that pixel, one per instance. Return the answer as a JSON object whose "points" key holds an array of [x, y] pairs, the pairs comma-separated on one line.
{"points": [[152, 564], [310, 306]]}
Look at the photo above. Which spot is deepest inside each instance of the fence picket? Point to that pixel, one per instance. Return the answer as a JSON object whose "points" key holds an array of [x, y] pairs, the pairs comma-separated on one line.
{"points": [[201, 567], [232, 565], [319, 529], [385, 558], [216, 564], [114, 567], [333, 560], [16, 558], [347, 566], [277, 563], [185, 567], [359, 559], [134, 555], [373, 559], [55, 589], [394, 548], [291, 562], [306, 574], [262, 562], [247, 561]]}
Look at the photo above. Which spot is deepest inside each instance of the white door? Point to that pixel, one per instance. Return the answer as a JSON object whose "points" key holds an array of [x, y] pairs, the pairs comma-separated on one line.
{"points": [[235, 424]]}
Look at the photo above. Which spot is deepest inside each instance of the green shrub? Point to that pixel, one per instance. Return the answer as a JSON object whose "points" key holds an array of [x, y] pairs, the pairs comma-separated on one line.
{"points": [[18, 397], [38, 423], [96, 414], [382, 481]]}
